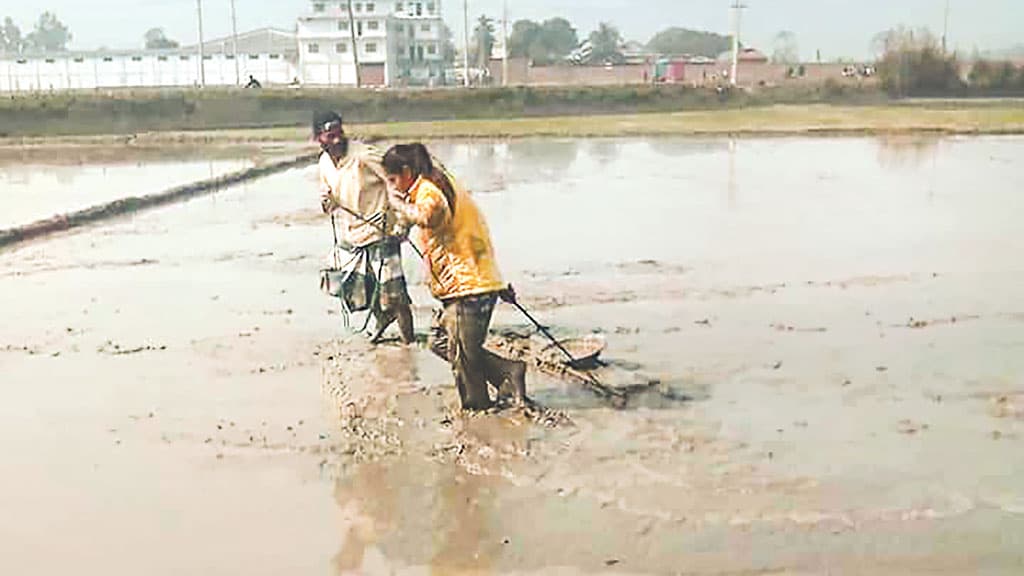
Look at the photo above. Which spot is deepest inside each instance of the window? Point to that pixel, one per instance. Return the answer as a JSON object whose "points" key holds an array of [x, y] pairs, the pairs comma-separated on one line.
{"points": [[371, 48], [229, 56], [370, 7], [79, 59], [399, 7], [108, 59], [343, 25], [399, 27], [359, 6], [254, 56], [430, 7], [419, 53], [318, 7], [341, 47], [419, 9], [359, 28], [373, 25], [51, 60], [412, 52], [183, 58], [432, 49], [162, 58], [207, 57], [425, 27], [275, 56], [314, 48]]}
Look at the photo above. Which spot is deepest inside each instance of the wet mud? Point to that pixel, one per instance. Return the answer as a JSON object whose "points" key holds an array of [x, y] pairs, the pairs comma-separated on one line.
{"points": [[822, 359]]}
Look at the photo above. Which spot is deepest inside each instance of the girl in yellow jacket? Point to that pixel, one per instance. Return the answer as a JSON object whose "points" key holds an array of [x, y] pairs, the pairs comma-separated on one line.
{"points": [[456, 244]]}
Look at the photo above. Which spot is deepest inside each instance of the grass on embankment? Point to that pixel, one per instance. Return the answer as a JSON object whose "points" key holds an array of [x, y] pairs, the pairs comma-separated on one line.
{"points": [[769, 120], [965, 118]]}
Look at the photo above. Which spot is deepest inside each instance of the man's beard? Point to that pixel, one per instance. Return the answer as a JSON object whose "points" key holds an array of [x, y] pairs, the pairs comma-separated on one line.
{"points": [[337, 151]]}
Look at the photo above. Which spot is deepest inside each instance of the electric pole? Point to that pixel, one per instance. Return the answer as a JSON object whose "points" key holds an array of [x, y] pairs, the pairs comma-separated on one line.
{"points": [[465, 41], [234, 43], [945, 28], [737, 7], [202, 57], [355, 47], [504, 44]]}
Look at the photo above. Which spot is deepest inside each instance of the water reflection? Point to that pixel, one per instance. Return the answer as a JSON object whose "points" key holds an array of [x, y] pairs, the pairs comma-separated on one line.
{"points": [[907, 151], [367, 506], [493, 166], [34, 191], [463, 540], [604, 150], [680, 147], [731, 198], [542, 158]]}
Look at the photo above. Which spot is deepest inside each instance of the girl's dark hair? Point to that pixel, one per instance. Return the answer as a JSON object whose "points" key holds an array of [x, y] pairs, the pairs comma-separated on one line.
{"points": [[417, 159]]}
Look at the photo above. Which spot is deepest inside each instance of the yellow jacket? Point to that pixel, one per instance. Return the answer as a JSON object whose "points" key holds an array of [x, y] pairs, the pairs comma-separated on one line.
{"points": [[457, 246]]}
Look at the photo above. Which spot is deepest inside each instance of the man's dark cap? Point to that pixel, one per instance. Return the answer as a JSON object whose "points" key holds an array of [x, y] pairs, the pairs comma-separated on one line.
{"points": [[322, 118]]}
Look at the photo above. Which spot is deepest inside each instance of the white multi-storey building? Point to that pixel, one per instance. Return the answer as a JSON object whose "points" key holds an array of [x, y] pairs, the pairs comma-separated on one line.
{"points": [[398, 42]]}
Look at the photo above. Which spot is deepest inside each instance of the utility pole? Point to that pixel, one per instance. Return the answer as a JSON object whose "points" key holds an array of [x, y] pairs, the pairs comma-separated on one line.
{"points": [[234, 43], [945, 28], [504, 45], [202, 57], [737, 7], [465, 41], [355, 47]]}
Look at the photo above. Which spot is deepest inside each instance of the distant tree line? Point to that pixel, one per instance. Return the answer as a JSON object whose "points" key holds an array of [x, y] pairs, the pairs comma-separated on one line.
{"points": [[48, 35], [913, 63], [555, 39]]}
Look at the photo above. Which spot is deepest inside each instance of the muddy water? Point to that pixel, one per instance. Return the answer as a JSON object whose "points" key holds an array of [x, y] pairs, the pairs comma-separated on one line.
{"points": [[33, 191], [837, 323]]}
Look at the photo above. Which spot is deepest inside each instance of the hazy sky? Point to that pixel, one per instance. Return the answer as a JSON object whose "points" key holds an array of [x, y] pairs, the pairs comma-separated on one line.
{"points": [[839, 28]]}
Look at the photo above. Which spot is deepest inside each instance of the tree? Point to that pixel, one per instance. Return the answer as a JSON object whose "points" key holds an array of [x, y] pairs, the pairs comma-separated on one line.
{"points": [[483, 37], [49, 35], [157, 40], [606, 42], [558, 38], [680, 41], [543, 43], [10, 37], [913, 64], [786, 49], [524, 34], [995, 77]]}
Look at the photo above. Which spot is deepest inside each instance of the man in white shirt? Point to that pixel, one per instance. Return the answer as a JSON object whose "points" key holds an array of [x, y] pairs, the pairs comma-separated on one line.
{"points": [[353, 190]]}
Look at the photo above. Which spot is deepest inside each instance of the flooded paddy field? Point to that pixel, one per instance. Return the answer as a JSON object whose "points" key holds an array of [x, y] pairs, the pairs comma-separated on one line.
{"points": [[837, 326]]}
